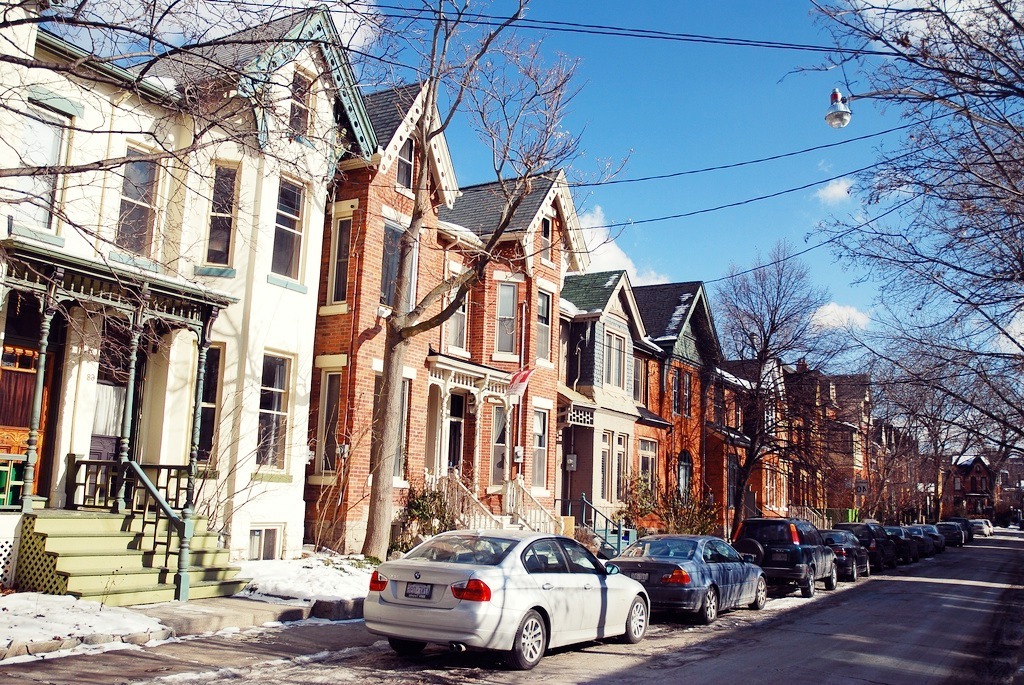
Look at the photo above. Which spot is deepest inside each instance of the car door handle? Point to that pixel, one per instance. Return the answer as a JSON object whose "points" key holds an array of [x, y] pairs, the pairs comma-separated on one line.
{"points": [[547, 586], [588, 586]]}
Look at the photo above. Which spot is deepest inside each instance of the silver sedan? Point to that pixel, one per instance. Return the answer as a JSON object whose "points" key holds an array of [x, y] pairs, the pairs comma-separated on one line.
{"points": [[517, 592]]}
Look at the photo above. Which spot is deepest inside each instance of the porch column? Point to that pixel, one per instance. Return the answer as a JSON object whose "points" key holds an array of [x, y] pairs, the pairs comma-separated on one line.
{"points": [[181, 578], [28, 493], [120, 506], [478, 407]]}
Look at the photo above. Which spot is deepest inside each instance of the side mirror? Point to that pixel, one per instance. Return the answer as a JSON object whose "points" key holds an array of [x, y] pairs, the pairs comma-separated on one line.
{"points": [[749, 558], [611, 569]]}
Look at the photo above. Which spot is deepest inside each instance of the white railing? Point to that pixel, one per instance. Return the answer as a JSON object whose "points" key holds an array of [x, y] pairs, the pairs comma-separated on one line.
{"points": [[810, 514], [526, 510], [469, 511]]}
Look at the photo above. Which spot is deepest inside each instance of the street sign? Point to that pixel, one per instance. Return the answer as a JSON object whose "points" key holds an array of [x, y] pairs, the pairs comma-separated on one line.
{"points": [[861, 487]]}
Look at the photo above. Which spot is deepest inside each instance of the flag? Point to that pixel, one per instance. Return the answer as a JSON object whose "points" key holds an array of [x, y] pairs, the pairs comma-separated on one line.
{"points": [[517, 383]]}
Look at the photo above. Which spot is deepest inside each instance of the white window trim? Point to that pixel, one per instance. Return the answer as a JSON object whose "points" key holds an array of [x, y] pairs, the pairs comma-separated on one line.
{"points": [[549, 360], [289, 411], [332, 264], [303, 219], [505, 355]]}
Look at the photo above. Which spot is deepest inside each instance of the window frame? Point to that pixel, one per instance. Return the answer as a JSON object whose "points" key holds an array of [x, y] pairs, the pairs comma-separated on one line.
{"points": [[615, 360], [499, 442], [687, 393], [621, 466], [340, 254], [676, 392], [293, 233], [231, 215], [391, 264], [262, 535], [684, 466], [209, 405], [277, 459], [544, 325], [124, 239], [405, 164], [458, 326], [324, 422], [400, 472], [300, 104], [44, 202], [540, 448], [504, 289], [545, 239], [647, 453]]}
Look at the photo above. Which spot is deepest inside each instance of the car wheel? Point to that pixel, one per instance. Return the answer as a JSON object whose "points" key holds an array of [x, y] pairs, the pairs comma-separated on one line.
{"points": [[832, 580], [760, 595], [530, 643], [853, 572], [808, 589], [636, 621], [709, 610], [867, 570], [406, 647]]}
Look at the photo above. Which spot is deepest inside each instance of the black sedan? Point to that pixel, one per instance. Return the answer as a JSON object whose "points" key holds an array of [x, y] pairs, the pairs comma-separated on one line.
{"points": [[906, 546], [924, 542], [851, 556], [698, 574], [938, 538], [954, 534]]}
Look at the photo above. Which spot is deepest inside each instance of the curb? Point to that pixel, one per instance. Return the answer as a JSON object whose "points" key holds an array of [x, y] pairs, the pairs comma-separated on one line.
{"points": [[338, 610], [37, 647]]}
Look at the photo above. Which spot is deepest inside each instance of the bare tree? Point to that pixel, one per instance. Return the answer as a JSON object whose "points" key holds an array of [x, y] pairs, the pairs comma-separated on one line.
{"points": [[517, 102], [767, 315]]}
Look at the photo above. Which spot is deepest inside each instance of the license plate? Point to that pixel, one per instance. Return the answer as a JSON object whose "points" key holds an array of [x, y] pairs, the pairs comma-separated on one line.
{"points": [[780, 556], [642, 577], [418, 590]]}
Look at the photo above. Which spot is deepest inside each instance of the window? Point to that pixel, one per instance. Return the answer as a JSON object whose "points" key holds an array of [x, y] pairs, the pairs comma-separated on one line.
{"points": [[543, 325], [339, 265], [615, 360], [263, 544], [649, 462], [606, 465], [405, 164], [298, 114], [733, 480], [545, 239], [737, 411], [273, 421], [222, 215], [390, 266], [622, 465], [540, 449], [640, 381], [138, 205], [330, 411], [685, 473], [505, 336], [457, 327], [41, 144], [456, 421], [498, 446], [687, 393], [401, 447], [676, 392], [288, 230], [719, 417], [208, 404]]}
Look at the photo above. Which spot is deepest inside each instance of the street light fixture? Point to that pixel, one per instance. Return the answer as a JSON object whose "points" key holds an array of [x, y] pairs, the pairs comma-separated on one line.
{"points": [[838, 114]]}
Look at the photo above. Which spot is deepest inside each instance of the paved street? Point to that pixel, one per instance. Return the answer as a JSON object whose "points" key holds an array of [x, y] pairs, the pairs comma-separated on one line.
{"points": [[956, 618]]}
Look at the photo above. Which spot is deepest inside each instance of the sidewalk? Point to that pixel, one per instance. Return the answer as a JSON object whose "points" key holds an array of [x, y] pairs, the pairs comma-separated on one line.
{"points": [[206, 633]]}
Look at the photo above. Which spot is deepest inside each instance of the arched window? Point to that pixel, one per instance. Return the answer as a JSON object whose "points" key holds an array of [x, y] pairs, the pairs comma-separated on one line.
{"points": [[405, 164], [685, 474]]}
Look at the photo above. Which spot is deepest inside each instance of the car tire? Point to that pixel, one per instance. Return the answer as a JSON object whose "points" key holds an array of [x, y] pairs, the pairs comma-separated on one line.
{"points": [[752, 547], [636, 621], [709, 609], [406, 647], [853, 572], [832, 579], [530, 644], [867, 570], [807, 590], [760, 595]]}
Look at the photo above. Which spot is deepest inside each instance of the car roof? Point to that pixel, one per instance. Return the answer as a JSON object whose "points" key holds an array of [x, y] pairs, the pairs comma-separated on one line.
{"points": [[513, 534], [679, 536]]}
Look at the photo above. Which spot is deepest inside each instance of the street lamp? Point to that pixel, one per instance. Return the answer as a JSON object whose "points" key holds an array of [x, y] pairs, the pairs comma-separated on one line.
{"points": [[838, 114]]}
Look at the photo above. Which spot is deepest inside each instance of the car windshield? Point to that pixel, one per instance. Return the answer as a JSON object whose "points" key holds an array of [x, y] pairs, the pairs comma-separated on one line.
{"points": [[661, 547], [834, 537], [930, 529], [861, 532], [463, 549], [914, 530], [895, 531], [767, 531]]}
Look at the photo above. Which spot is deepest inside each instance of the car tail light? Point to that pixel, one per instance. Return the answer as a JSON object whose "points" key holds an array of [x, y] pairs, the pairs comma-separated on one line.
{"points": [[873, 545], [794, 536], [472, 590], [378, 582], [677, 577], [840, 552]]}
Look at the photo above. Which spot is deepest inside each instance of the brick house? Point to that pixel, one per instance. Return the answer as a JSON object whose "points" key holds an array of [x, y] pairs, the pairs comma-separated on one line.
{"points": [[849, 442], [809, 409], [972, 489]]}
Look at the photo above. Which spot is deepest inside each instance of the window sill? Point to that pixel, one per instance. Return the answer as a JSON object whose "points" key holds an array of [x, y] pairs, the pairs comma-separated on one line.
{"points": [[333, 309], [287, 284], [459, 352], [547, 262], [216, 271], [539, 492], [495, 489], [407, 192], [271, 478], [41, 236], [544, 364], [504, 357], [134, 260], [399, 483], [323, 479]]}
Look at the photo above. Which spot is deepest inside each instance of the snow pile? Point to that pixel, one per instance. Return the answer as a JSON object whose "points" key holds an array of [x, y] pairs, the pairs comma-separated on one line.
{"points": [[34, 617], [311, 578]]}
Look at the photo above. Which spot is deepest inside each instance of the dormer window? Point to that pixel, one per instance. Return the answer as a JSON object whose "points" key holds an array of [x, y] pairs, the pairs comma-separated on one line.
{"points": [[298, 115], [405, 164], [545, 239]]}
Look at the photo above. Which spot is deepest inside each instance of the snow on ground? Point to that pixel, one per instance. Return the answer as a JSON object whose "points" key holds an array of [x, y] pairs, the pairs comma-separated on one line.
{"points": [[308, 579]]}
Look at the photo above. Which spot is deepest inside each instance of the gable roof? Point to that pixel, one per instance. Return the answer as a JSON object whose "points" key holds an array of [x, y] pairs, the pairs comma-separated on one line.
{"points": [[666, 307], [591, 292], [387, 109]]}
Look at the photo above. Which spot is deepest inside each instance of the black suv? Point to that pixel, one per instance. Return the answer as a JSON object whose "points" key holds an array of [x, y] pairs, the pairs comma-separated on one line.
{"points": [[790, 551], [964, 523], [881, 550]]}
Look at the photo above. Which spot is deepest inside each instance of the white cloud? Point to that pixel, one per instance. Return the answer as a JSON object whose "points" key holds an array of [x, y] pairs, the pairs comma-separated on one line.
{"points": [[835, 192], [606, 255], [834, 315]]}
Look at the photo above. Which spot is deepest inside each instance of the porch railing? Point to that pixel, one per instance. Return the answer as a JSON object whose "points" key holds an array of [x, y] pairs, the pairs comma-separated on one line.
{"points": [[469, 511], [612, 536], [818, 518], [526, 510], [12, 480]]}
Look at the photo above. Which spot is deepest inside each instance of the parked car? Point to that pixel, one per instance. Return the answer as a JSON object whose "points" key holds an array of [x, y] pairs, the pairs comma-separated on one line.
{"points": [[790, 551], [965, 524], [925, 545], [699, 574], [982, 527], [953, 532], [938, 538], [881, 550], [516, 592], [851, 557], [906, 546]]}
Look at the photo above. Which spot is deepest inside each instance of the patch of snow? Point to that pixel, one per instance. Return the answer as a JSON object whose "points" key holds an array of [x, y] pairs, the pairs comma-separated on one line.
{"points": [[308, 579]]}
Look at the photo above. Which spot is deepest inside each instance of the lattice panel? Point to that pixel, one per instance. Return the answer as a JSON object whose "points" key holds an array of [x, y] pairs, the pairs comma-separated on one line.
{"points": [[6, 563], [579, 416], [37, 571]]}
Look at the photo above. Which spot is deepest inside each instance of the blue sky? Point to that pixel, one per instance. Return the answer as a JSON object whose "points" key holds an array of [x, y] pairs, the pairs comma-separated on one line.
{"points": [[674, 106]]}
